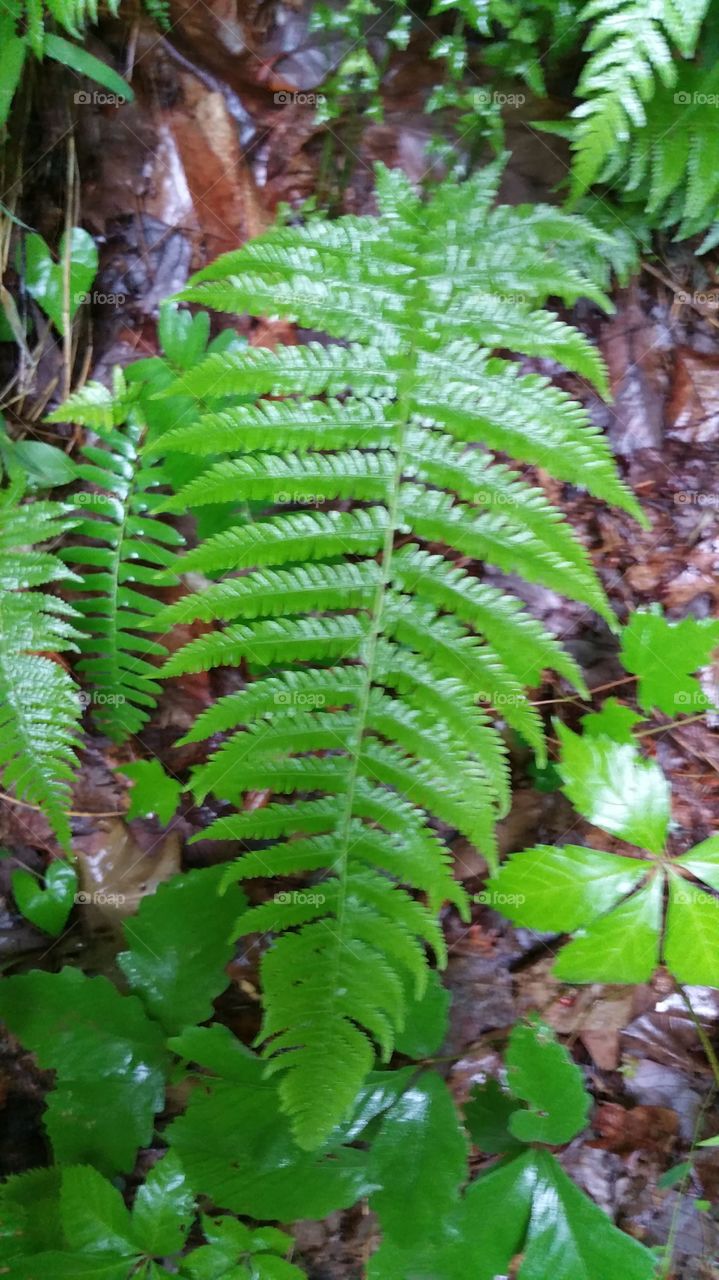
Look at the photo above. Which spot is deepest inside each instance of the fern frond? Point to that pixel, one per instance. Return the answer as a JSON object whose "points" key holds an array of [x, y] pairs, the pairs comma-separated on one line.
{"points": [[631, 47], [383, 667], [39, 704], [125, 546]]}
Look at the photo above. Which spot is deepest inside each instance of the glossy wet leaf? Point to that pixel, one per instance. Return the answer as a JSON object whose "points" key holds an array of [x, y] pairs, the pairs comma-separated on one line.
{"points": [[487, 1115], [613, 720], [563, 886], [164, 1208], [94, 1216], [154, 792], [46, 906], [663, 655], [109, 1060], [253, 1165], [86, 64], [419, 1159], [615, 788], [180, 945], [45, 279], [702, 861], [691, 942], [622, 946], [541, 1072]]}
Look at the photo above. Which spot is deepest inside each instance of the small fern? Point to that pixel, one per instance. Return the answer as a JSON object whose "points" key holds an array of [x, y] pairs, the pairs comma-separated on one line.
{"points": [[39, 707], [632, 51], [378, 659], [128, 547]]}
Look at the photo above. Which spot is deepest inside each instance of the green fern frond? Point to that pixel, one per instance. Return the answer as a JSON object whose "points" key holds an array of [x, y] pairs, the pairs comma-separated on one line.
{"points": [[632, 56], [125, 546], [39, 704], [382, 668]]}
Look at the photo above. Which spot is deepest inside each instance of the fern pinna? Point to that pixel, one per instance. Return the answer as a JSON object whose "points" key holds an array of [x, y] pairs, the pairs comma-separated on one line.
{"points": [[39, 706], [124, 548], [378, 658]]}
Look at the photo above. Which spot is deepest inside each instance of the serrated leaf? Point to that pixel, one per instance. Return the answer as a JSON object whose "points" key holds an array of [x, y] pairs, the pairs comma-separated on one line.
{"points": [[615, 788], [54, 1265], [179, 946], [109, 1060], [164, 1208], [622, 946], [46, 906], [541, 1072], [613, 720], [253, 1166], [153, 792], [663, 654], [560, 887], [691, 941], [94, 1216], [419, 1160]]}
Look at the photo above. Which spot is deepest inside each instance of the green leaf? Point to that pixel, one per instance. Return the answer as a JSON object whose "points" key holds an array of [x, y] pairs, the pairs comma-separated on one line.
{"points": [[154, 791], [702, 861], [45, 466], [613, 720], [487, 1115], [180, 945], [663, 655], [164, 1208], [86, 64], [59, 288], [30, 1219], [46, 907], [541, 1072], [427, 1021], [94, 1215], [615, 788], [419, 1159], [622, 946], [253, 1166], [560, 887], [691, 942], [54, 1265], [108, 1057]]}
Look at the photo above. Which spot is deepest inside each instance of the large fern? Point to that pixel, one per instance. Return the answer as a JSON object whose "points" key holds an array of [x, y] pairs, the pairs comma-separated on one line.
{"points": [[633, 47], [39, 706], [378, 656], [124, 547]]}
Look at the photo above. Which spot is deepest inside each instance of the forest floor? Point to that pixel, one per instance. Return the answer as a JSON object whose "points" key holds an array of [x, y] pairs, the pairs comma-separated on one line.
{"points": [[196, 165]]}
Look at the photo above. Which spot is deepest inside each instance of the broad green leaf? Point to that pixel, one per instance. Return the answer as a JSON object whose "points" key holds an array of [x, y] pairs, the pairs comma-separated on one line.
{"points": [[179, 946], [691, 942], [379, 1092], [94, 1216], [560, 887], [46, 281], [12, 59], [86, 64], [487, 1115], [252, 1165], [622, 946], [419, 1160], [164, 1208], [702, 861], [109, 1060], [54, 1265], [154, 792], [48, 906], [569, 1238], [29, 1213], [615, 788], [45, 465], [663, 654], [613, 720], [495, 1216], [427, 1021], [541, 1072]]}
